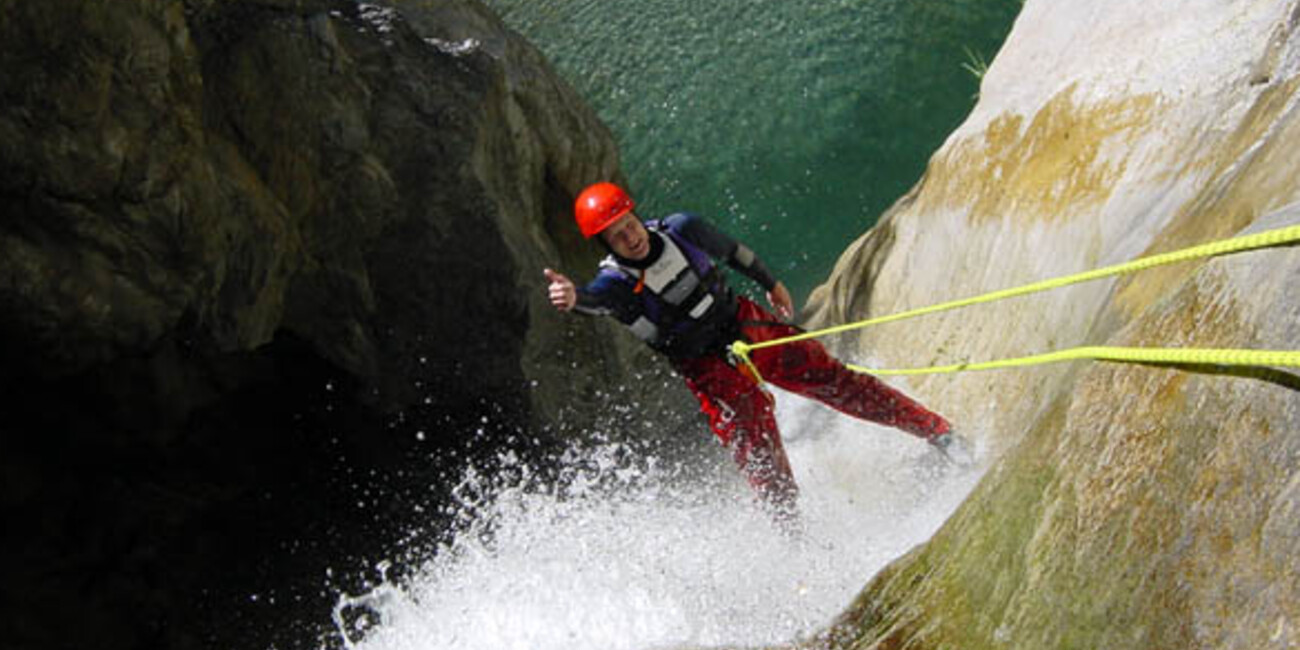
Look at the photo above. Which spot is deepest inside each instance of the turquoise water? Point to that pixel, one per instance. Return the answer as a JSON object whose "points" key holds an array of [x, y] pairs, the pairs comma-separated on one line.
{"points": [[793, 123]]}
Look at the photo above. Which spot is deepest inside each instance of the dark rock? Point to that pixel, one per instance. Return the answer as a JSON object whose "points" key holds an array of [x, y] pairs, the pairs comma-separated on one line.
{"points": [[269, 273]]}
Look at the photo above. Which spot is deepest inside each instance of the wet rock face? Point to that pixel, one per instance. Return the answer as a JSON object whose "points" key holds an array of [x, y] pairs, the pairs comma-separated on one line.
{"points": [[262, 264], [1126, 505], [221, 172]]}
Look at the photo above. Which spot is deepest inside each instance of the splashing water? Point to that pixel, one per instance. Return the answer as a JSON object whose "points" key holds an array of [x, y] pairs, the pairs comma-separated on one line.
{"points": [[631, 553]]}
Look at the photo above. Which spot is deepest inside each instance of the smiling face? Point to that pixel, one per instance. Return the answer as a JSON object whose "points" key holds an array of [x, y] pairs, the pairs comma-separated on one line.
{"points": [[628, 238]]}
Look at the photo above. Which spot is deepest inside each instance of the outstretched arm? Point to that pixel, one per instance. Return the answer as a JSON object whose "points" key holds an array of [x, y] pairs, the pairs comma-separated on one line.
{"points": [[600, 297]]}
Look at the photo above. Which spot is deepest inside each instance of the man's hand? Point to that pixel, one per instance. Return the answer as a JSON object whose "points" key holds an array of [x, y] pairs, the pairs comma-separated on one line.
{"points": [[563, 294], [779, 298]]}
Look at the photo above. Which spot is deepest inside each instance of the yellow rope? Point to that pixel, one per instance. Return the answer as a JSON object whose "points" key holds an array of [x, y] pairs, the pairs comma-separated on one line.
{"points": [[1265, 239], [1180, 356]]}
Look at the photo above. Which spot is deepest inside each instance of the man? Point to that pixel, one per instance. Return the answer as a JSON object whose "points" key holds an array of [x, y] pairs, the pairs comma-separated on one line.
{"points": [[660, 279]]}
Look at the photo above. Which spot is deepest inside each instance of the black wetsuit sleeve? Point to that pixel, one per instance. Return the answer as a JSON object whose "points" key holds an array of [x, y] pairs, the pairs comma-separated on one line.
{"points": [[605, 296], [724, 247], [590, 303]]}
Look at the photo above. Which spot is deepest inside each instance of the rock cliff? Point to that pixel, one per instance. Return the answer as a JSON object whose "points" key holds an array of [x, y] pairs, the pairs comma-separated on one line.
{"points": [[262, 264], [1125, 506]]}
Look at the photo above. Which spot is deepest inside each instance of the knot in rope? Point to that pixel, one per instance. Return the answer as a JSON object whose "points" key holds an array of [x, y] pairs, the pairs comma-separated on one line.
{"points": [[740, 358]]}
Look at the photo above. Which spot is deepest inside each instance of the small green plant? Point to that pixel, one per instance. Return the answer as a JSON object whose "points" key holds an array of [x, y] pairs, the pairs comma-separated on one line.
{"points": [[975, 64]]}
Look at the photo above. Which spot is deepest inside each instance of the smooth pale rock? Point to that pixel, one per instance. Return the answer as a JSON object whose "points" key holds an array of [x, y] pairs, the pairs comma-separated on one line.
{"points": [[1126, 506]]}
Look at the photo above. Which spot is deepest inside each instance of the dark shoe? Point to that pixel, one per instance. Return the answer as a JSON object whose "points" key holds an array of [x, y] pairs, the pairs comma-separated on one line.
{"points": [[956, 447]]}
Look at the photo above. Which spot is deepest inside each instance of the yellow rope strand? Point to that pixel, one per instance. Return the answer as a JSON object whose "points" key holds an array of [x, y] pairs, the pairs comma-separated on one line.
{"points": [[1180, 356], [1277, 237]]}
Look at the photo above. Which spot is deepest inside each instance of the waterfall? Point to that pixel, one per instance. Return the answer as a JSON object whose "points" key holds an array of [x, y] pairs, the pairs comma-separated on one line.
{"points": [[629, 552]]}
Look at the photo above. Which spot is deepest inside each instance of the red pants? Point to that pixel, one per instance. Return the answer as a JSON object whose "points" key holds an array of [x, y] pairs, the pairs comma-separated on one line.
{"points": [[741, 412]]}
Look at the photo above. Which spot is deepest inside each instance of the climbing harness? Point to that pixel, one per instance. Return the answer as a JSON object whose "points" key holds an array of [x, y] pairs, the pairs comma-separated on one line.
{"points": [[1185, 356]]}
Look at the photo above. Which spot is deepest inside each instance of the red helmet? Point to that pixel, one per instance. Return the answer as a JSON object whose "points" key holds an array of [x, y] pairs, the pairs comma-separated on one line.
{"points": [[599, 206]]}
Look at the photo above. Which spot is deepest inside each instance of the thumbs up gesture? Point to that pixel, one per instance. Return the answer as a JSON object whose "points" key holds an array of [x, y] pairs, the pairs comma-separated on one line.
{"points": [[561, 290]]}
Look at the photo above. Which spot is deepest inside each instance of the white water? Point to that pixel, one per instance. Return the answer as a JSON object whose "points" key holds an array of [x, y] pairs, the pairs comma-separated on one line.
{"points": [[633, 555]]}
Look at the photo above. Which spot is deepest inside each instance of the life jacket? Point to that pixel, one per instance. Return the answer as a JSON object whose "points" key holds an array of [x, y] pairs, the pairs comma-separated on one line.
{"points": [[685, 307]]}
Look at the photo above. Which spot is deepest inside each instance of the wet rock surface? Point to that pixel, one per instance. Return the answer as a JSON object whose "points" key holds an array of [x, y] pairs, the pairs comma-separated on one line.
{"points": [[269, 275], [1125, 505]]}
